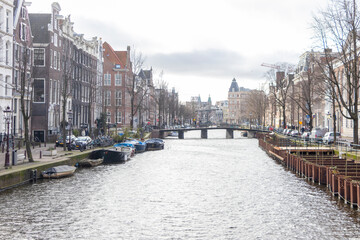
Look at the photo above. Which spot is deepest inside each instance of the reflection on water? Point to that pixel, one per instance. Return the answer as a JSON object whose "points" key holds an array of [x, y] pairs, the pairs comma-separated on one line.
{"points": [[194, 189]]}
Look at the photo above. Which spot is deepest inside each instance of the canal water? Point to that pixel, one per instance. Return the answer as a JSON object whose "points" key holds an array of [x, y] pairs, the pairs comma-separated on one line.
{"points": [[195, 188]]}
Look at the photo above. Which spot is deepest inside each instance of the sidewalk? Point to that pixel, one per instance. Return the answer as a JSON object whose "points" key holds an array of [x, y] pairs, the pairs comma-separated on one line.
{"points": [[24, 163]]}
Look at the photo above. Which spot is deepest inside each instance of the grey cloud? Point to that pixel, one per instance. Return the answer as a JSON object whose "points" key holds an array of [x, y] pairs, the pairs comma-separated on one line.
{"points": [[212, 62]]}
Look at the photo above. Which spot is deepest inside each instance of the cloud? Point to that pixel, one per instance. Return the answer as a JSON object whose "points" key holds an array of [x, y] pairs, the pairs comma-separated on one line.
{"points": [[210, 62]]}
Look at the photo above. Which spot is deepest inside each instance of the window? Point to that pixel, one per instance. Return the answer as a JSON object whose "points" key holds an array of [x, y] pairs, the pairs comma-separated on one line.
{"points": [[58, 61], [51, 57], [118, 117], [23, 13], [23, 31], [7, 53], [16, 74], [6, 85], [39, 56], [107, 98], [55, 39], [16, 52], [39, 90], [117, 66], [50, 92], [107, 79], [55, 60], [118, 98], [117, 79], [7, 21]]}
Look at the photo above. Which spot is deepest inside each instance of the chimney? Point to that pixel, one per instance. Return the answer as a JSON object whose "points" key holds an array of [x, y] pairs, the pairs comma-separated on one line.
{"points": [[280, 76]]}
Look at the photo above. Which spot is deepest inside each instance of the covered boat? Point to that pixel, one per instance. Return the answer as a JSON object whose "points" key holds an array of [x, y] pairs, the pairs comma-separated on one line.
{"points": [[95, 158], [154, 144], [114, 156], [59, 171], [139, 146], [126, 147]]}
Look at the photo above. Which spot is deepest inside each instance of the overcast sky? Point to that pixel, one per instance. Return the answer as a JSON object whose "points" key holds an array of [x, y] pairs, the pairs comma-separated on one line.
{"points": [[200, 45]]}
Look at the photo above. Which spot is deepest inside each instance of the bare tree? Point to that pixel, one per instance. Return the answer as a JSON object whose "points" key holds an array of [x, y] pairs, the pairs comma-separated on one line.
{"points": [[308, 89], [160, 97], [25, 91], [337, 28], [256, 104], [136, 88], [66, 84], [280, 83]]}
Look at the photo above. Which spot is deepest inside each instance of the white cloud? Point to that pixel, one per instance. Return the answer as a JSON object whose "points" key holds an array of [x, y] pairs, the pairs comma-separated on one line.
{"points": [[202, 40]]}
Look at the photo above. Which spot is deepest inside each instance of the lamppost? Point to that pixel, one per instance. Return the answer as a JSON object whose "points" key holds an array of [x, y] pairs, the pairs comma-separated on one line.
{"points": [[7, 116], [250, 120], [328, 120], [70, 117]]}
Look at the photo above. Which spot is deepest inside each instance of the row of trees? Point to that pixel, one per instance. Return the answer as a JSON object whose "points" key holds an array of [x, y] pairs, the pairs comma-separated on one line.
{"points": [[332, 71]]}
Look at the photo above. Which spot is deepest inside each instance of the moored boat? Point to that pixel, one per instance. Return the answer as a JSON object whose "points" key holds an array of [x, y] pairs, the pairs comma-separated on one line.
{"points": [[90, 162], [59, 171], [126, 147], [114, 156], [154, 144], [139, 146]]}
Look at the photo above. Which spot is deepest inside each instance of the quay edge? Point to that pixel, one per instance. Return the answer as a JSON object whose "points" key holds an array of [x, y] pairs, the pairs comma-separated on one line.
{"points": [[340, 176], [23, 174]]}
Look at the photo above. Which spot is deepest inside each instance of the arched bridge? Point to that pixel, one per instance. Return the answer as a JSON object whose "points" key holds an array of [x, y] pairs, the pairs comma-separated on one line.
{"points": [[229, 131]]}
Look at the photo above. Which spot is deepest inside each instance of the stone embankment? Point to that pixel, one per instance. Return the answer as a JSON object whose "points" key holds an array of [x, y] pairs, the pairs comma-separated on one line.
{"points": [[322, 165], [24, 171]]}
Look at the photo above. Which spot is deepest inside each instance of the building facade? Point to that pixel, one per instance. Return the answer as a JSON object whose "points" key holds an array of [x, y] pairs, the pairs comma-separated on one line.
{"points": [[22, 65], [117, 74], [6, 58]]}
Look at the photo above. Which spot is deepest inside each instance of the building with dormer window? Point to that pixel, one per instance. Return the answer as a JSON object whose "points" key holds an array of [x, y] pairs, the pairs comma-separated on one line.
{"points": [[117, 74]]}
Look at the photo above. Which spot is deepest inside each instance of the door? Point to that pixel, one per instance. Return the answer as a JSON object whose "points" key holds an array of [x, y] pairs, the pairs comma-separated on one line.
{"points": [[39, 136]]}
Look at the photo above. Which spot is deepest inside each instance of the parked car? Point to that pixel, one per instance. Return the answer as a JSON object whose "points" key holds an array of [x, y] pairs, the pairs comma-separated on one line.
{"points": [[294, 133], [83, 142], [305, 136], [60, 142], [329, 137], [317, 134]]}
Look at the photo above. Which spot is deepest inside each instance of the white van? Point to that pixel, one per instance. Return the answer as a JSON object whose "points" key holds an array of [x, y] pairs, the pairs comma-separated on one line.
{"points": [[329, 137]]}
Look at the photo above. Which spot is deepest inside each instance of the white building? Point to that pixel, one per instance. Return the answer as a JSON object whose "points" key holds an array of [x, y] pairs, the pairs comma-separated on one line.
{"points": [[6, 53]]}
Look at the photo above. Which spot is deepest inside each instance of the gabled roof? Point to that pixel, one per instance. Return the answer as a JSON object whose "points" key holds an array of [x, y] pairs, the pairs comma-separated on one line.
{"points": [[117, 57], [122, 55], [146, 74], [39, 26]]}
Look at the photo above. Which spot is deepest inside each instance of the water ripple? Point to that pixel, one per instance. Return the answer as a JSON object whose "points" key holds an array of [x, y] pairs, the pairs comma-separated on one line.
{"points": [[194, 189]]}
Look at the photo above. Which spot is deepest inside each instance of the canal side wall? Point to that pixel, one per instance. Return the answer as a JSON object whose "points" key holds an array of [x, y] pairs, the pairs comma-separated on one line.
{"points": [[340, 176], [31, 172]]}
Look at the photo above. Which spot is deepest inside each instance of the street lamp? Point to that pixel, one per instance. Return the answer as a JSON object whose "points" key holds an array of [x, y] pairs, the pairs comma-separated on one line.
{"points": [[250, 120], [328, 120], [7, 116], [70, 117]]}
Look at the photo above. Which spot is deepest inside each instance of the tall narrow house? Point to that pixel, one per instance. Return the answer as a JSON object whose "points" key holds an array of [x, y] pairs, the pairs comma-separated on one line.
{"points": [[22, 62], [6, 53], [117, 74], [47, 44]]}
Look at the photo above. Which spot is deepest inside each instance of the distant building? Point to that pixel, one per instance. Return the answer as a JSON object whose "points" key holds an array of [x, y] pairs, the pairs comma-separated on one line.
{"points": [[147, 113], [237, 104]]}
